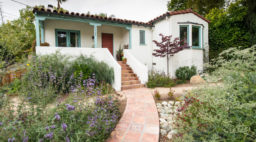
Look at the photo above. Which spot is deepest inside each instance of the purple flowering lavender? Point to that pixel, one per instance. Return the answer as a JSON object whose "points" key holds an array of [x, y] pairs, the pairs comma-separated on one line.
{"points": [[99, 101], [53, 126], [11, 139], [57, 116], [67, 139], [47, 128], [25, 139], [1, 123], [70, 107], [49, 136], [64, 126]]}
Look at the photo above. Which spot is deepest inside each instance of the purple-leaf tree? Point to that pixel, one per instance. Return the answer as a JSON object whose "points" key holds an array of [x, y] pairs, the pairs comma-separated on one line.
{"points": [[168, 48]]}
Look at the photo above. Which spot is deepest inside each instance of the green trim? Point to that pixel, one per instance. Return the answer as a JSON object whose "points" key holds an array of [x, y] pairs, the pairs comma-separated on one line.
{"points": [[130, 36], [197, 48], [187, 26], [200, 35], [41, 23], [95, 33], [37, 32], [142, 33], [68, 18], [68, 37]]}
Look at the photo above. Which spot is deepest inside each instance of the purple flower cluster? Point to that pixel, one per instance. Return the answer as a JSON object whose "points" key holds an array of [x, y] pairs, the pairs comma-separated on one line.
{"points": [[49, 136], [90, 84], [64, 126], [57, 116], [99, 101], [11, 139], [70, 107]]}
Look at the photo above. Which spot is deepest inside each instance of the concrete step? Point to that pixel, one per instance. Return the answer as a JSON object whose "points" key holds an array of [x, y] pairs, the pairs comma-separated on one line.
{"points": [[129, 78], [128, 75], [130, 82], [127, 71], [125, 87]]}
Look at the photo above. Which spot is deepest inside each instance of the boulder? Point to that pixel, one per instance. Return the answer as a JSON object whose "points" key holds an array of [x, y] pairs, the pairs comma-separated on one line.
{"points": [[197, 80]]}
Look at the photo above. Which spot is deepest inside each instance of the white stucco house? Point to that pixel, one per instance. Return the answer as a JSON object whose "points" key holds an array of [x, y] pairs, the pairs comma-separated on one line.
{"points": [[75, 34]]}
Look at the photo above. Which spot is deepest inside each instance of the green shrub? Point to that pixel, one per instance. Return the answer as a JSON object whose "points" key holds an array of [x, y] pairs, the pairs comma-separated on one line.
{"points": [[157, 95], [185, 73], [103, 73], [119, 54], [159, 80], [226, 112]]}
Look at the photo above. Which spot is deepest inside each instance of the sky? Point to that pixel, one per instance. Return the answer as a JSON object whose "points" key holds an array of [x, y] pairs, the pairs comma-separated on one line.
{"points": [[139, 10]]}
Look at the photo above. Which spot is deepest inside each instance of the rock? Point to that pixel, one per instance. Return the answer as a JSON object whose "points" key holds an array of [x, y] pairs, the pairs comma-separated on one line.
{"points": [[168, 128], [169, 136], [197, 80], [164, 103], [165, 126], [162, 120], [163, 132]]}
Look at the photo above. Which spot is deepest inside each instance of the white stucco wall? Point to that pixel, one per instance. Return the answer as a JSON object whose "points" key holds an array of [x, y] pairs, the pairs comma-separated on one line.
{"points": [[143, 53], [188, 57], [100, 54]]}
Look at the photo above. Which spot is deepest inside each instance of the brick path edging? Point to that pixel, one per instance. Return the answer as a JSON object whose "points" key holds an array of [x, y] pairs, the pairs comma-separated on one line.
{"points": [[140, 121]]}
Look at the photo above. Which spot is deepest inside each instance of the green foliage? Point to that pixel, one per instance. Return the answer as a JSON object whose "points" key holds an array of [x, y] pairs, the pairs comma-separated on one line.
{"points": [[251, 19], [14, 87], [16, 38], [242, 60], [157, 95], [228, 28], [103, 73], [226, 112], [119, 54], [185, 73], [159, 80], [201, 6], [171, 94]]}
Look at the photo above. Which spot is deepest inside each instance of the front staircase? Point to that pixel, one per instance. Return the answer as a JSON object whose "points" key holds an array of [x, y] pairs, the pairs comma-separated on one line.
{"points": [[129, 79]]}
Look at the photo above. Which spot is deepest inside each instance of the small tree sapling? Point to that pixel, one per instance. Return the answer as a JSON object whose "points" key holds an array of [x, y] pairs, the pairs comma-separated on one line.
{"points": [[168, 48]]}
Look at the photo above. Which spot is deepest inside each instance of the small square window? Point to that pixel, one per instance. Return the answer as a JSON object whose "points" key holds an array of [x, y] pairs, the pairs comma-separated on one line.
{"points": [[142, 37]]}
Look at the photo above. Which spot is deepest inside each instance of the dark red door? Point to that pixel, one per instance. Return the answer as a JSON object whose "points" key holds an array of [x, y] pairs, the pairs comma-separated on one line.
{"points": [[107, 42]]}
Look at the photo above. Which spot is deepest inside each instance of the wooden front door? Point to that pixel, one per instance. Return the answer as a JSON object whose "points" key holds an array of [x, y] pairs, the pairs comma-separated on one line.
{"points": [[107, 41]]}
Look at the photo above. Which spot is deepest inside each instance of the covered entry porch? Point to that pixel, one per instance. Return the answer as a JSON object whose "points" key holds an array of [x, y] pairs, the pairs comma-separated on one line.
{"points": [[66, 31]]}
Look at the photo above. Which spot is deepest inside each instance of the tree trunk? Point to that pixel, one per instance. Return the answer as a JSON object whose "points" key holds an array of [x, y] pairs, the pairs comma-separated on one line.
{"points": [[58, 7], [167, 65]]}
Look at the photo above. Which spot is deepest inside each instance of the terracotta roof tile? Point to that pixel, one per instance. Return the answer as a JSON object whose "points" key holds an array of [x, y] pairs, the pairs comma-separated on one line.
{"points": [[122, 21]]}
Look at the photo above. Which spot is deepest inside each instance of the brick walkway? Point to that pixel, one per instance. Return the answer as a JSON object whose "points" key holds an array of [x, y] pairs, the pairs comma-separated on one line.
{"points": [[140, 122]]}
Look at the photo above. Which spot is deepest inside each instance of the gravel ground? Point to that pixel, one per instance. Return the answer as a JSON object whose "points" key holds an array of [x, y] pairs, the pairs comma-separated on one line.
{"points": [[167, 111]]}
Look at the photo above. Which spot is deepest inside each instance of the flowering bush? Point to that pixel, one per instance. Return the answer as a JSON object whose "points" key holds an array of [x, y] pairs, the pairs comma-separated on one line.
{"points": [[226, 112], [75, 119], [49, 76]]}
